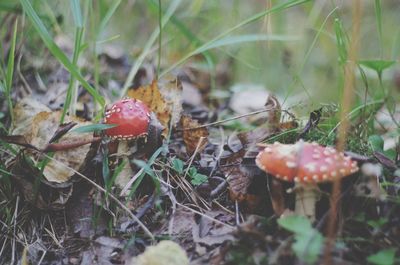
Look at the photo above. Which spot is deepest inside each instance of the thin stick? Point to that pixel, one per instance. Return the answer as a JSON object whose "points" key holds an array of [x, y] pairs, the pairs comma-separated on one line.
{"points": [[147, 231], [229, 119], [205, 216], [347, 100], [66, 146]]}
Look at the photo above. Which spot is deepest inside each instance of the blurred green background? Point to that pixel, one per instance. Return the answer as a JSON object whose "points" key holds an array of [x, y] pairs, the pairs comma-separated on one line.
{"points": [[302, 67]]}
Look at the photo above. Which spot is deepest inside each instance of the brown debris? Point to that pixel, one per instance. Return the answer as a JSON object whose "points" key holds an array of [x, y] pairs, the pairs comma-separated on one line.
{"points": [[196, 138]]}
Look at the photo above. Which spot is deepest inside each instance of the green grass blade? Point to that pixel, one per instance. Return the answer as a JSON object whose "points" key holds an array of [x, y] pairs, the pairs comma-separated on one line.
{"points": [[341, 42], [56, 51], [245, 22], [297, 75], [108, 16], [76, 13], [93, 128], [72, 92], [231, 40], [170, 11], [10, 69], [378, 15], [159, 37]]}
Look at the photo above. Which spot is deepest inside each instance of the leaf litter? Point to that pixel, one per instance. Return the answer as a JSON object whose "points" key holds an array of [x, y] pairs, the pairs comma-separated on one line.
{"points": [[193, 180]]}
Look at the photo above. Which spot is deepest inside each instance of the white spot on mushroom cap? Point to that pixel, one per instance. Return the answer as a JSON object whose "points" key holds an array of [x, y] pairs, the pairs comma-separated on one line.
{"points": [[312, 166], [291, 164], [286, 150], [316, 156]]}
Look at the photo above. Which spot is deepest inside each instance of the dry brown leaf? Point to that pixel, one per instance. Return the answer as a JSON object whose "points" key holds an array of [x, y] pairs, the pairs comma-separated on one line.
{"points": [[238, 181], [240, 173], [43, 197], [153, 98], [209, 232], [192, 138], [163, 98], [24, 113], [171, 88], [39, 129]]}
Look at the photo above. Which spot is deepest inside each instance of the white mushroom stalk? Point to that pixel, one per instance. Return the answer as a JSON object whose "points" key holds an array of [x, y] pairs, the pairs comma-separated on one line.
{"points": [[305, 164]]}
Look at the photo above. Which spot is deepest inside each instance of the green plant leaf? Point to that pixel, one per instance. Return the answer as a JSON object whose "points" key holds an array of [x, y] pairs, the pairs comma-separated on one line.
{"points": [[376, 142], [308, 247], [391, 153], [178, 165], [377, 223], [147, 168], [377, 65], [383, 257], [93, 128], [198, 179], [308, 241], [296, 224]]}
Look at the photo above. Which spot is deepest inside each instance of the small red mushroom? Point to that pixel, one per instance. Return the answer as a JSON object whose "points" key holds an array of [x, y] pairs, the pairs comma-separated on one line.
{"points": [[306, 164], [132, 118]]}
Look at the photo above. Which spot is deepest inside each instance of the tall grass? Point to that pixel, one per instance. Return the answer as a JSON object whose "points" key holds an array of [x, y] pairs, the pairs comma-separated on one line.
{"points": [[152, 38], [213, 43], [56, 51], [10, 70], [72, 90]]}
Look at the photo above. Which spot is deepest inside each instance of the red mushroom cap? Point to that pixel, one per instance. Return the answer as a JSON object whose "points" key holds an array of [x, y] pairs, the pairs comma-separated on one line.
{"points": [[305, 162], [131, 116]]}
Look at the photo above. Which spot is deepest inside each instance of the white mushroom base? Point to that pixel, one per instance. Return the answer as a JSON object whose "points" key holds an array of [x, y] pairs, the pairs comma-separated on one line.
{"points": [[306, 198]]}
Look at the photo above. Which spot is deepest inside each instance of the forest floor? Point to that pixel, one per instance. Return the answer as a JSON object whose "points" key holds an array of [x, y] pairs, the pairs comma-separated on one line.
{"points": [[71, 193]]}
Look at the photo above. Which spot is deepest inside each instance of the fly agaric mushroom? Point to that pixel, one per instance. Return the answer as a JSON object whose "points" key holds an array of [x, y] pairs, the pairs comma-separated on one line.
{"points": [[306, 164], [132, 120]]}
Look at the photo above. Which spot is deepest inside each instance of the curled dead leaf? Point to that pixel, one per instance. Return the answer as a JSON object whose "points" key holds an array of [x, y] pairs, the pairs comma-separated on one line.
{"points": [[163, 98], [196, 138]]}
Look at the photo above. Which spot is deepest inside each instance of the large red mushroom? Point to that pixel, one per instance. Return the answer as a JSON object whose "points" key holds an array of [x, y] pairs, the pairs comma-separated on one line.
{"points": [[306, 164]]}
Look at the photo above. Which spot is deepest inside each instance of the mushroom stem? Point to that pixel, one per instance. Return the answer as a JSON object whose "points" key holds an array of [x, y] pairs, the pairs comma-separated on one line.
{"points": [[126, 172], [306, 198]]}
